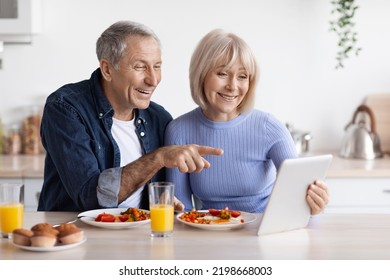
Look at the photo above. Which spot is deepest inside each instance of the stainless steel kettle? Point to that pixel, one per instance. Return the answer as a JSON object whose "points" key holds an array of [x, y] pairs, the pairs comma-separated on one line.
{"points": [[361, 140], [301, 139]]}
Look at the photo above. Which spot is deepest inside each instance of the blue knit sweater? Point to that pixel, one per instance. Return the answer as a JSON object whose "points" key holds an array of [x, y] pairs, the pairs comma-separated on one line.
{"points": [[254, 144]]}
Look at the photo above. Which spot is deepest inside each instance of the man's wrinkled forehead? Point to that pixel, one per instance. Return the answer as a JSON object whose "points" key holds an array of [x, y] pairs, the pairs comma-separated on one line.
{"points": [[145, 49]]}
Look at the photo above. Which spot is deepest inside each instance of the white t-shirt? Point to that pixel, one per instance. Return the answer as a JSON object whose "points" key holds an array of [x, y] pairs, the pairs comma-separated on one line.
{"points": [[130, 150]]}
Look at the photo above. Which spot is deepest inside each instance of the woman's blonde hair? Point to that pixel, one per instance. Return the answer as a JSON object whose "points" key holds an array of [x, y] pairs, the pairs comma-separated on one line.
{"points": [[221, 48]]}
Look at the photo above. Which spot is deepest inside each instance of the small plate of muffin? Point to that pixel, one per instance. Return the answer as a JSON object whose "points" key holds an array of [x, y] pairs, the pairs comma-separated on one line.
{"points": [[43, 237]]}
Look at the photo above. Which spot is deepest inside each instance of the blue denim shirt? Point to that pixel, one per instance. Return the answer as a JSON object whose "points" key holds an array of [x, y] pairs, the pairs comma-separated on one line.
{"points": [[82, 165]]}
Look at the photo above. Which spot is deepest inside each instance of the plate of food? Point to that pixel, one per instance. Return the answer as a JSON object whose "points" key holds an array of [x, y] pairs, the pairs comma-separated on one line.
{"points": [[115, 218], [44, 237], [215, 219], [56, 247]]}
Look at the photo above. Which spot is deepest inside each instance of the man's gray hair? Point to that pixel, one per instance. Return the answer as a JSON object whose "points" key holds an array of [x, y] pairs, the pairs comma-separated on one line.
{"points": [[113, 41]]}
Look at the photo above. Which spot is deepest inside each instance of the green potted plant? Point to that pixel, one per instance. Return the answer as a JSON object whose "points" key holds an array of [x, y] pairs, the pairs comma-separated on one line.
{"points": [[343, 25]]}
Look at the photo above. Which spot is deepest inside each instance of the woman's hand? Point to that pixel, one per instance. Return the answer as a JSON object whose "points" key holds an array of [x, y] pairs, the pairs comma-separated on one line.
{"points": [[317, 196], [178, 205]]}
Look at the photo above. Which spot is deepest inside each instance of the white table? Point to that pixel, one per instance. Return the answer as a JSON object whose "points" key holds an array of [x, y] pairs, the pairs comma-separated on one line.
{"points": [[328, 236]]}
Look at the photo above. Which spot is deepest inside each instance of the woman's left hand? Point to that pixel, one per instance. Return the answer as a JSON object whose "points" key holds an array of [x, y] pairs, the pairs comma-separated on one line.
{"points": [[177, 205], [317, 196]]}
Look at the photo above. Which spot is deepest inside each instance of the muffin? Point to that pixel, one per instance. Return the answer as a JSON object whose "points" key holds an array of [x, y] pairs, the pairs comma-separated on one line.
{"points": [[43, 239], [43, 227], [69, 233], [44, 235], [21, 236]]}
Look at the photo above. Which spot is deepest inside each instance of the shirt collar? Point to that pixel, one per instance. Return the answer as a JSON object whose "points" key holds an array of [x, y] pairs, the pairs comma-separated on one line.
{"points": [[103, 106]]}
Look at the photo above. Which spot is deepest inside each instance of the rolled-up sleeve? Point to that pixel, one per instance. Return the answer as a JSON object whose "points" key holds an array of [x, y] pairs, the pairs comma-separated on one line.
{"points": [[108, 187]]}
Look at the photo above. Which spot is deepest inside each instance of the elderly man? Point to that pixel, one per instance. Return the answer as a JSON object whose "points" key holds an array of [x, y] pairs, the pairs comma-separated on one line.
{"points": [[104, 136]]}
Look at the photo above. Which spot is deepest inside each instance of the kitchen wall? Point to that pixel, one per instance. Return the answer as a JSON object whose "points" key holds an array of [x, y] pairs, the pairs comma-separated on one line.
{"points": [[296, 53]]}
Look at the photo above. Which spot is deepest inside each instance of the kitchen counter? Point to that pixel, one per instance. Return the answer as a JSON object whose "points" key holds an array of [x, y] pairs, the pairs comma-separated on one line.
{"points": [[21, 166], [30, 166], [358, 168], [362, 185], [327, 237], [25, 169]]}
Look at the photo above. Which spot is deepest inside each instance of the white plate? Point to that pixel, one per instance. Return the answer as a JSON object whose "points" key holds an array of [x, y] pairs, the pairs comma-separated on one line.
{"points": [[248, 218], [57, 247], [92, 214]]}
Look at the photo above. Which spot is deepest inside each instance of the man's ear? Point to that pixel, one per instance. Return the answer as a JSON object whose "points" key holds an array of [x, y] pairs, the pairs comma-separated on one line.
{"points": [[105, 69]]}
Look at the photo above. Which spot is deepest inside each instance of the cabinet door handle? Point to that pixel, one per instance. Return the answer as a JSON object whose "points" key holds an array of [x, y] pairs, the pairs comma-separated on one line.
{"points": [[386, 191]]}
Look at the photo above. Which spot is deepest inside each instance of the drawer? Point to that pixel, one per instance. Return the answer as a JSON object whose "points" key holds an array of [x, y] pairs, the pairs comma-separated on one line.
{"points": [[32, 189], [11, 180], [359, 192]]}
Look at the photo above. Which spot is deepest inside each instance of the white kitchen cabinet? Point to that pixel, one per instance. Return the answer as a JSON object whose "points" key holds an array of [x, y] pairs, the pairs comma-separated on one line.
{"points": [[19, 20], [359, 195], [26, 169], [32, 189], [11, 180]]}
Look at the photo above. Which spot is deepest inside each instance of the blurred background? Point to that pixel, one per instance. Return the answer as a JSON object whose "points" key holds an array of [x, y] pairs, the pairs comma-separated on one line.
{"points": [[299, 83]]}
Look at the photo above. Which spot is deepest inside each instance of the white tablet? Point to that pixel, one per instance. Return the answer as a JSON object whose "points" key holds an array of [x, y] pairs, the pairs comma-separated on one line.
{"points": [[287, 208]]}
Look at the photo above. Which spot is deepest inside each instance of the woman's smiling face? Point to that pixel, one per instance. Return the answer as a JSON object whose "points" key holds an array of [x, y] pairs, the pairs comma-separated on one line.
{"points": [[224, 90]]}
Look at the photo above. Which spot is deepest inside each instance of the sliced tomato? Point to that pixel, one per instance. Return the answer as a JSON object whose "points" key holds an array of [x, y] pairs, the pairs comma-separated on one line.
{"points": [[123, 218], [99, 217], [235, 213], [107, 218], [214, 212]]}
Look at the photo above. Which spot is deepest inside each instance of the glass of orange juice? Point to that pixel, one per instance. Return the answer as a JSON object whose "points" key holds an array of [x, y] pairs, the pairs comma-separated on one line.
{"points": [[161, 196], [11, 208]]}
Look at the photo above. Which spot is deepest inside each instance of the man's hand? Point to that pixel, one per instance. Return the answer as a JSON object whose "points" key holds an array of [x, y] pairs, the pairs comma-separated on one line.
{"points": [[187, 158]]}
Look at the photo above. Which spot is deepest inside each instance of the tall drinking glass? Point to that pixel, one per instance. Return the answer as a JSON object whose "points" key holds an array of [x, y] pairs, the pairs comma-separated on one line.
{"points": [[161, 196], [11, 208]]}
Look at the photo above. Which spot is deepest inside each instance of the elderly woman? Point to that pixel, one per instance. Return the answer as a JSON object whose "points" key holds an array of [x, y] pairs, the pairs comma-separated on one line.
{"points": [[223, 76]]}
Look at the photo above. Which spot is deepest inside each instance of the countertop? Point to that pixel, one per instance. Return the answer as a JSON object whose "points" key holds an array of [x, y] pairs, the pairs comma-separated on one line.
{"points": [[22, 166], [359, 168], [31, 166], [327, 237]]}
